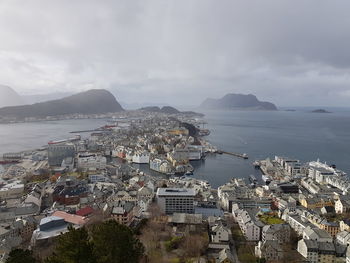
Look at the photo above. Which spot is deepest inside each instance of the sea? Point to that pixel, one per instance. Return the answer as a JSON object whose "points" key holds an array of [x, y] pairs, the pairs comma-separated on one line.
{"points": [[298, 134]]}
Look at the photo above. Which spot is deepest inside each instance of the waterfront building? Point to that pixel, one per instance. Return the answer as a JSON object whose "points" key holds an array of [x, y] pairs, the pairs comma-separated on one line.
{"points": [[176, 200], [57, 152], [141, 157], [11, 190]]}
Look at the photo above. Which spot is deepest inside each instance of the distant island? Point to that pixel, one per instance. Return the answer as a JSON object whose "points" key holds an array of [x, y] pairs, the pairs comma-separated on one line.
{"points": [[236, 102], [9, 97], [169, 110], [321, 111], [96, 101]]}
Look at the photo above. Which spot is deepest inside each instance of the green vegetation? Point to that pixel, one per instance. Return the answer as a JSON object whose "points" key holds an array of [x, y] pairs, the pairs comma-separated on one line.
{"points": [[270, 220], [173, 243], [20, 256], [73, 246], [246, 254], [107, 242]]}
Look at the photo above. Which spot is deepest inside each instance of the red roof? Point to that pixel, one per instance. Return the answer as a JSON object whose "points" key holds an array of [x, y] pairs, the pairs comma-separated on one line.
{"points": [[85, 211], [73, 219]]}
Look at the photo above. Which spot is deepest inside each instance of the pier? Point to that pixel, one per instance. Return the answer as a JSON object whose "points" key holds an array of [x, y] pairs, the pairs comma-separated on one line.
{"points": [[240, 155]]}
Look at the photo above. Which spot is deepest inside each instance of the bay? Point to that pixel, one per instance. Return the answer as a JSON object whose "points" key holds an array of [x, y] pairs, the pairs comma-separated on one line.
{"points": [[300, 134]]}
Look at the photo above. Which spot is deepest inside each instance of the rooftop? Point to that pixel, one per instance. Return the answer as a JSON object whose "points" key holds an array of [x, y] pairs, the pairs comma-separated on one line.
{"points": [[176, 192]]}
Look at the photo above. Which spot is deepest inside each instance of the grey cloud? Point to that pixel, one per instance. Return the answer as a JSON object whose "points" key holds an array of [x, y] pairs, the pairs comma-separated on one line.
{"points": [[179, 52]]}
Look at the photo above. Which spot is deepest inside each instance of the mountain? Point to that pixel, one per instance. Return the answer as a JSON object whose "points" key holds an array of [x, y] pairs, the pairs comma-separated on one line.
{"points": [[9, 97], [31, 99], [94, 101], [237, 101]]}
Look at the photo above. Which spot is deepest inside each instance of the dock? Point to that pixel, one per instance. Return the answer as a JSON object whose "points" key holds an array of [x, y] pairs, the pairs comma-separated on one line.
{"points": [[240, 155]]}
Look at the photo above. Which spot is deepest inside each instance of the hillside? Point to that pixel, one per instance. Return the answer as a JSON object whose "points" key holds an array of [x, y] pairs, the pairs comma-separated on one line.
{"points": [[89, 102], [237, 101], [9, 97], [170, 110], [165, 109]]}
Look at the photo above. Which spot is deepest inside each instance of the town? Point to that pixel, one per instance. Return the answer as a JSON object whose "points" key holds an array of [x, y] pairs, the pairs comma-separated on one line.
{"points": [[297, 212]]}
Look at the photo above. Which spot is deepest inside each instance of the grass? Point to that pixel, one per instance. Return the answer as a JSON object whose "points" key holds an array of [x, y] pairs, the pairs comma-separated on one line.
{"points": [[271, 220]]}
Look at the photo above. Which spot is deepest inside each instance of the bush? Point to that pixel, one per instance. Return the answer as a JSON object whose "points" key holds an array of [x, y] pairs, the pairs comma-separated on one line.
{"points": [[173, 243]]}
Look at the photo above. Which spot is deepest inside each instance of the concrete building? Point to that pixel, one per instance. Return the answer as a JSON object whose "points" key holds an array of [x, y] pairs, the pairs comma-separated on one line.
{"points": [[279, 232], [176, 200], [271, 250], [91, 161], [57, 152], [141, 157]]}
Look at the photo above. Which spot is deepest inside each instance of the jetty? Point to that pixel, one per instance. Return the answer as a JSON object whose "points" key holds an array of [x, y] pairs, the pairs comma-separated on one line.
{"points": [[240, 155]]}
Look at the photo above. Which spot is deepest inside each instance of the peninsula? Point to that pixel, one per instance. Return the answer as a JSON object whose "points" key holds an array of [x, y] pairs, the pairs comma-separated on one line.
{"points": [[233, 101]]}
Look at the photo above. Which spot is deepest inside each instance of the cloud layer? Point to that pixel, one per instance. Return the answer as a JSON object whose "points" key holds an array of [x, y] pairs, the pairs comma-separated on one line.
{"points": [[179, 52]]}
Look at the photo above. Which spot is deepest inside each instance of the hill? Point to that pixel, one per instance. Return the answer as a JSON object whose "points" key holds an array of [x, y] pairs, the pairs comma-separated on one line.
{"points": [[165, 109], [9, 97], [237, 101], [94, 101], [169, 110], [320, 111]]}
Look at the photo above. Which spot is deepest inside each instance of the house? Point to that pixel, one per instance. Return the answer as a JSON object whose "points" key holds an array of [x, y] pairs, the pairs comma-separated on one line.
{"points": [[249, 225], [343, 238], [220, 234], [297, 223], [279, 232], [225, 256], [315, 202], [85, 212], [71, 218], [271, 250], [331, 227], [314, 233], [344, 225], [122, 212], [342, 205], [183, 223], [308, 249]]}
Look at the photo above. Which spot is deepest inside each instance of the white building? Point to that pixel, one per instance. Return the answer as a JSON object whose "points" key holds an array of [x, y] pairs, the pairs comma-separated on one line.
{"points": [[141, 157], [176, 200], [12, 190], [91, 161], [220, 234]]}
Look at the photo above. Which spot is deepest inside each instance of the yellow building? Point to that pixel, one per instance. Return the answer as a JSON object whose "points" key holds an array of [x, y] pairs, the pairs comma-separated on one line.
{"points": [[312, 203]]}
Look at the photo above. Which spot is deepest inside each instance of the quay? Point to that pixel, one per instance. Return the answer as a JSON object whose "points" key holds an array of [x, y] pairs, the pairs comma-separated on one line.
{"points": [[240, 155]]}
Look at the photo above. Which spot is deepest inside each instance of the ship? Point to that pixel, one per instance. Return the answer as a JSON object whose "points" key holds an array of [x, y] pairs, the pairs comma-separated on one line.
{"points": [[256, 164], [2, 161], [253, 179], [266, 179]]}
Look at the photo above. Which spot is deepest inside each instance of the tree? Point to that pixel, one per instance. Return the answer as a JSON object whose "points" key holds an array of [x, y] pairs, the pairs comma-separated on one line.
{"points": [[21, 256], [115, 243], [73, 247], [195, 244]]}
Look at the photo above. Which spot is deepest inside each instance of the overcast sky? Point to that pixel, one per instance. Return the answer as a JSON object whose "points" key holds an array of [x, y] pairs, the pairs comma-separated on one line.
{"points": [[293, 52]]}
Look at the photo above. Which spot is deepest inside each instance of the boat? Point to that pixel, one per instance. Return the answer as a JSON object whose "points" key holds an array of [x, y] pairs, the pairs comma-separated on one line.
{"points": [[266, 179], [256, 164], [8, 162], [189, 172], [253, 179]]}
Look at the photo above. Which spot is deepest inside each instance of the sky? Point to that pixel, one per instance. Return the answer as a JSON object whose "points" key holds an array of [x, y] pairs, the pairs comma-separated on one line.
{"points": [[292, 53]]}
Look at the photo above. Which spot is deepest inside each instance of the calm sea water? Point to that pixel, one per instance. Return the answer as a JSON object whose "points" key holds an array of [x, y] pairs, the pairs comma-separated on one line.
{"points": [[301, 135]]}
